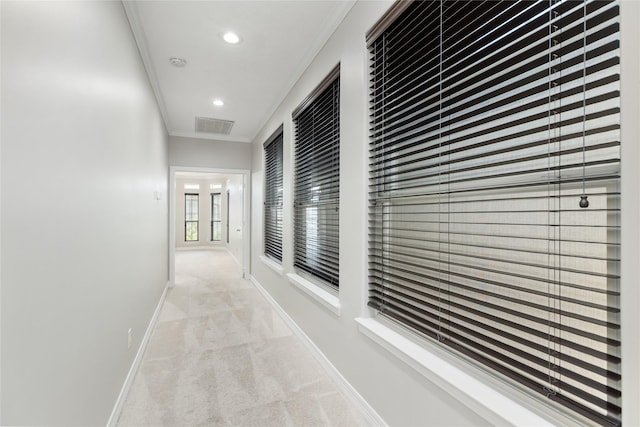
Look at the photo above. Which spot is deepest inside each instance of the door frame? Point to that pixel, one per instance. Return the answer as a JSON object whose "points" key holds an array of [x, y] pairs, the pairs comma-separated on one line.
{"points": [[246, 212]]}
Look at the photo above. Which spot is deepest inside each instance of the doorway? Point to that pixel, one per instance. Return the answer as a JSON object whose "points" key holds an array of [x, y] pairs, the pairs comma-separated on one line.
{"points": [[208, 211]]}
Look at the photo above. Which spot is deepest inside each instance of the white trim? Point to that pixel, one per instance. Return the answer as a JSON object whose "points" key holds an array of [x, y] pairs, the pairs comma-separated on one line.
{"points": [[325, 298], [272, 264], [630, 204], [372, 417], [499, 404], [124, 391], [246, 212], [199, 248], [0, 244]]}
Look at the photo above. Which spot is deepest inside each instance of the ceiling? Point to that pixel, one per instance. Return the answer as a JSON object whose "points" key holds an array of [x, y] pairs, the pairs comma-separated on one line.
{"points": [[279, 39]]}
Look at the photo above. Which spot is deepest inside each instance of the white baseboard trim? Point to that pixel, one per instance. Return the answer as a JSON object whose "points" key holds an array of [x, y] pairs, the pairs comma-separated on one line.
{"points": [[345, 386], [199, 248], [122, 397]]}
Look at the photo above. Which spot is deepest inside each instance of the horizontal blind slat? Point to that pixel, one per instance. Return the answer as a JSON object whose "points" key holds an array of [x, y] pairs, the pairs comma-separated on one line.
{"points": [[483, 134], [317, 185], [273, 197]]}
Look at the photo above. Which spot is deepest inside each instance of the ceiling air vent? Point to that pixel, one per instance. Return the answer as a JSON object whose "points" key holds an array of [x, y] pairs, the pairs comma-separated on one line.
{"points": [[209, 125]]}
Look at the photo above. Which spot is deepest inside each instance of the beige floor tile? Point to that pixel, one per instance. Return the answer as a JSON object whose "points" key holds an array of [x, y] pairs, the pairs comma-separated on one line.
{"points": [[220, 355]]}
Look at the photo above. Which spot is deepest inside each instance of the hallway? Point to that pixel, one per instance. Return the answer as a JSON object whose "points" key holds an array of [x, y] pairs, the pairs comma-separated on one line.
{"points": [[220, 355]]}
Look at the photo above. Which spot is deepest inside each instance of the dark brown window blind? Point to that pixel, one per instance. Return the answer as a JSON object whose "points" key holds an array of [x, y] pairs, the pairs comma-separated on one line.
{"points": [[317, 182], [493, 125], [273, 196]]}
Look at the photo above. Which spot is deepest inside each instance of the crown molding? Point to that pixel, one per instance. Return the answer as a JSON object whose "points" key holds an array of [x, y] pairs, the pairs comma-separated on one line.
{"points": [[311, 52], [216, 137]]}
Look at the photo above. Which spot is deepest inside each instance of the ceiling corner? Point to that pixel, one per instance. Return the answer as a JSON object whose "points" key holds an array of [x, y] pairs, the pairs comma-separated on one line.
{"points": [[214, 137], [143, 50], [336, 19]]}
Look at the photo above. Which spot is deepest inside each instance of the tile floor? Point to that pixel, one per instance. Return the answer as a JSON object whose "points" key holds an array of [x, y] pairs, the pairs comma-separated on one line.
{"points": [[221, 356]]}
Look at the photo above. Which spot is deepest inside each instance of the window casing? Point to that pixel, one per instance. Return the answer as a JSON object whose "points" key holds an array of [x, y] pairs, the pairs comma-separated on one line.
{"points": [[489, 122], [191, 211], [216, 217], [273, 196], [317, 182]]}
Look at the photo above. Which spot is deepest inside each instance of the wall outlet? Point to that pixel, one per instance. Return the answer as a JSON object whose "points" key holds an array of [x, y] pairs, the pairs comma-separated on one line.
{"points": [[129, 338]]}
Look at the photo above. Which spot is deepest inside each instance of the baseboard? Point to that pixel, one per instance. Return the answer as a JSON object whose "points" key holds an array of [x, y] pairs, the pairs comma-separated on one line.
{"points": [[122, 397], [345, 386], [199, 248]]}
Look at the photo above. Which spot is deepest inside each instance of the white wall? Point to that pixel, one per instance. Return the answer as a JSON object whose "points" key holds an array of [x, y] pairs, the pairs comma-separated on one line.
{"points": [[85, 256], [206, 153], [396, 392], [235, 187]]}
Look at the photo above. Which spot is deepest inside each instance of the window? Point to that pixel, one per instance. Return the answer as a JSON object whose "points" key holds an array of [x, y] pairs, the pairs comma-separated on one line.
{"points": [[191, 217], [492, 124], [216, 220], [317, 181], [273, 196]]}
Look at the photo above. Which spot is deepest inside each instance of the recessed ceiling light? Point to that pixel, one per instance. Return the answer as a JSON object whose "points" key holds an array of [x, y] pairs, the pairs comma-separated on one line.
{"points": [[177, 62], [231, 38], [218, 102]]}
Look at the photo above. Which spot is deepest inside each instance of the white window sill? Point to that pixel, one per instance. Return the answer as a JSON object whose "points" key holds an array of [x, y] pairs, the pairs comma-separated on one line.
{"points": [[324, 297], [481, 398], [272, 264]]}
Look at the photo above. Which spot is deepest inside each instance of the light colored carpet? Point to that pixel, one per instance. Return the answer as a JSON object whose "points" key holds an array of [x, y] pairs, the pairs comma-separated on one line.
{"points": [[221, 356]]}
